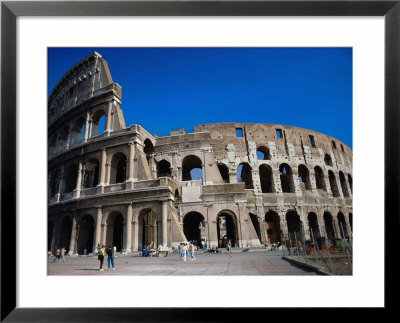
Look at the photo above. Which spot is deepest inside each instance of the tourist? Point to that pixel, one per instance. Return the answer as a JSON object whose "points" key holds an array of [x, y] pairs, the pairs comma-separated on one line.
{"points": [[62, 254], [203, 245], [228, 246], [191, 249], [100, 256], [184, 250], [145, 252], [57, 256], [110, 258], [180, 248]]}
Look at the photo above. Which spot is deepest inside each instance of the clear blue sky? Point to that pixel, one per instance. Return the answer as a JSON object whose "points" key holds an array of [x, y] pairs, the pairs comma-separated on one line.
{"points": [[171, 88]]}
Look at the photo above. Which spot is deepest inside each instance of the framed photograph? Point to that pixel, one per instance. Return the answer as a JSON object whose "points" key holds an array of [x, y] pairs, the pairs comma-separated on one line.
{"points": [[37, 37]]}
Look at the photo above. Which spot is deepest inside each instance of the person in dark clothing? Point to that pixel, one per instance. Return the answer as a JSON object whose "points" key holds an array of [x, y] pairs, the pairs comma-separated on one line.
{"points": [[110, 257], [101, 257]]}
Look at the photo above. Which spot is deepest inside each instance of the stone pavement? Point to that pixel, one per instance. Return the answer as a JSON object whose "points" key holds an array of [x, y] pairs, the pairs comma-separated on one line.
{"points": [[252, 263]]}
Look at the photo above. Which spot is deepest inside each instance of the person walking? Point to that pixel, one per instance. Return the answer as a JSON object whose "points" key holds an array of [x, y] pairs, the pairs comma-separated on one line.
{"points": [[184, 250], [62, 254], [58, 255], [191, 249], [110, 257], [100, 256], [180, 251], [229, 247]]}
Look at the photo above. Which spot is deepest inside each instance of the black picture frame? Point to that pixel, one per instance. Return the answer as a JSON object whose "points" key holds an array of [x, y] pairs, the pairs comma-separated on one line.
{"points": [[10, 10]]}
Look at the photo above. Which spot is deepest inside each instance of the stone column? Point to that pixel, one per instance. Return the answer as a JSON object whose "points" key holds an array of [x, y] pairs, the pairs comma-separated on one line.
{"points": [[164, 223], [296, 182], [135, 240], [312, 180], [78, 188], [276, 177], [283, 224], [108, 118], [103, 234], [87, 122], [102, 171], [72, 243], [128, 229], [131, 165], [60, 184], [255, 176], [97, 233]]}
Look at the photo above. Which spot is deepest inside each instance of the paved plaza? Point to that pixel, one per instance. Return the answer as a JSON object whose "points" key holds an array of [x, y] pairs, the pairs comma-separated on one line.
{"points": [[252, 263]]}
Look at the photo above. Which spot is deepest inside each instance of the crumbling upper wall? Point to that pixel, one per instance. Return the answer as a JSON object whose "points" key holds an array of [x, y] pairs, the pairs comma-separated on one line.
{"points": [[294, 141], [87, 78]]}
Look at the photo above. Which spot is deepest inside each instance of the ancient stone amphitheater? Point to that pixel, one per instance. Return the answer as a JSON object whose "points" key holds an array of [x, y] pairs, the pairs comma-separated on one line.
{"points": [[122, 186]]}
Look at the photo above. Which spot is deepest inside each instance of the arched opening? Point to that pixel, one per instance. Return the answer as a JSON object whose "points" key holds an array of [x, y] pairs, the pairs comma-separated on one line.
{"points": [[226, 229], [313, 226], [163, 168], [272, 227], [63, 138], [244, 175], [351, 221], [177, 198], [50, 228], [294, 226], [328, 160], [329, 227], [65, 233], [319, 178], [191, 168], [224, 171], [350, 182], [115, 230], [149, 151], [193, 222], [256, 225], [55, 183], [343, 184], [304, 178], [85, 235], [286, 178], [78, 131], [98, 123], [70, 178], [118, 168], [148, 228], [266, 179], [333, 183], [263, 153], [92, 170], [52, 146], [342, 225]]}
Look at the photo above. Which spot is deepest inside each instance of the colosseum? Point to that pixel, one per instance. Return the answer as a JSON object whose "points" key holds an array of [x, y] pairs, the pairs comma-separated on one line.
{"points": [[253, 184]]}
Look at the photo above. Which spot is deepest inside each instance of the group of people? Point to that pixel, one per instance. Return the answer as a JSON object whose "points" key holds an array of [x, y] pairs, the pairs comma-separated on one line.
{"points": [[186, 249], [110, 252], [60, 255]]}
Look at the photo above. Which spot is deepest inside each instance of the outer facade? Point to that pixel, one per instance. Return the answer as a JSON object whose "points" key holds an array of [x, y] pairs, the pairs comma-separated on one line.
{"points": [[121, 186]]}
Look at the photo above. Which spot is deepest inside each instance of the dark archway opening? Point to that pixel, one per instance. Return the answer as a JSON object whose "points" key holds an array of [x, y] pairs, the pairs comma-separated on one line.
{"points": [[244, 175], [163, 168], [65, 233], [328, 160], [342, 225], [70, 178], [333, 183], [304, 178], [118, 168], [313, 225], [226, 230], [192, 224], [86, 234], [191, 168], [224, 171], [286, 178], [294, 226], [329, 227], [256, 225], [343, 184], [148, 229], [272, 227], [50, 228], [115, 230], [319, 178], [92, 170], [266, 179]]}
